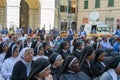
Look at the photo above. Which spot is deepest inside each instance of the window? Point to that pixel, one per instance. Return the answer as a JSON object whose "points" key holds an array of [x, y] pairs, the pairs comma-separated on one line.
{"points": [[63, 8], [86, 4], [110, 3], [97, 3], [73, 6]]}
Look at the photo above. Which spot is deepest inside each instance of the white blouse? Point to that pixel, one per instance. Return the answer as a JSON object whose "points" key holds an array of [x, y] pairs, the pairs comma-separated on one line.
{"points": [[7, 68], [2, 56]]}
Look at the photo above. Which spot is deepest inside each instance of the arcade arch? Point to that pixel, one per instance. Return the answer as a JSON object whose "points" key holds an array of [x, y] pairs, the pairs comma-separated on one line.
{"points": [[30, 13]]}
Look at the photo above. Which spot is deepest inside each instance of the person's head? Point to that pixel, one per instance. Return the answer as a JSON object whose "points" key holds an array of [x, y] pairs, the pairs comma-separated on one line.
{"points": [[99, 55], [12, 51], [51, 37], [28, 39], [46, 46], [74, 42], [78, 45], [48, 38], [87, 42], [56, 60], [118, 26], [14, 38], [104, 38], [4, 47], [64, 45], [40, 50], [26, 54], [96, 39], [87, 53], [40, 69], [70, 64], [117, 38], [115, 64], [38, 38]]}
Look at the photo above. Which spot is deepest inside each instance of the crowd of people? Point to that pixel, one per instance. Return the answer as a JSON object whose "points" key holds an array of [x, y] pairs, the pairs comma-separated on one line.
{"points": [[52, 57]]}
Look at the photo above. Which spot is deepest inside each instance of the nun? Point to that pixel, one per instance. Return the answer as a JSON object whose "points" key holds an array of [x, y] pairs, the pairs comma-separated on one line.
{"points": [[86, 61], [113, 70], [56, 62], [40, 70], [40, 53], [63, 49], [71, 70], [99, 63], [77, 49], [23, 65], [9, 61], [3, 50]]}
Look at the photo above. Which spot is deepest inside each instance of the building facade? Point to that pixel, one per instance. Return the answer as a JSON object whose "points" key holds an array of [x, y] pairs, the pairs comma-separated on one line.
{"points": [[27, 13], [66, 14], [108, 11]]}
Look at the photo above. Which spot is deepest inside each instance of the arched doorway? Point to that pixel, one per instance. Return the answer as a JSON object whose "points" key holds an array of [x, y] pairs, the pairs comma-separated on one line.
{"points": [[74, 26], [30, 13], [2, 13]]}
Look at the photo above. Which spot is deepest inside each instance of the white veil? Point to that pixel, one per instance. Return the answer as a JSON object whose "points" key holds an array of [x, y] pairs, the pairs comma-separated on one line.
{"points": [[22, 53]]}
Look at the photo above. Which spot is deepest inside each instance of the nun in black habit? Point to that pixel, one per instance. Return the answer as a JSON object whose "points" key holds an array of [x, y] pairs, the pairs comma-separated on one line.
{"points": [[86, 61], [63, 49], [71, 70], [77, 49], [99, 63], [56, 62], [40, 70]]}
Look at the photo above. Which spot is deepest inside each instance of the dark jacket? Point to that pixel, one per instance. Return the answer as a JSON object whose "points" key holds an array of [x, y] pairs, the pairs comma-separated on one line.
{"points": [[48, 53], [19, 71], [88, 70], [55, 73], [76, 54], [74, 76], [99, 69], [64, 54]]}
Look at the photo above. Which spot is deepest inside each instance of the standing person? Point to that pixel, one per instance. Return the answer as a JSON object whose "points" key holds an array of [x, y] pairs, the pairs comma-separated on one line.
{"points": [[56, 32], [96, 45], [70, 34], [9, 61], [42, 33], [117, 32], [82, 33], [71, 70], [29, 31], [22, 68], [113, 70], [37, 31], [56, 62], [40, 70]]}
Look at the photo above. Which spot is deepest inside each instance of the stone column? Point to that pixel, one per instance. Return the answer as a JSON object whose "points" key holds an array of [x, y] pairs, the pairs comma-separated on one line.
{"points": [[13, 13], [34, 18]]}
